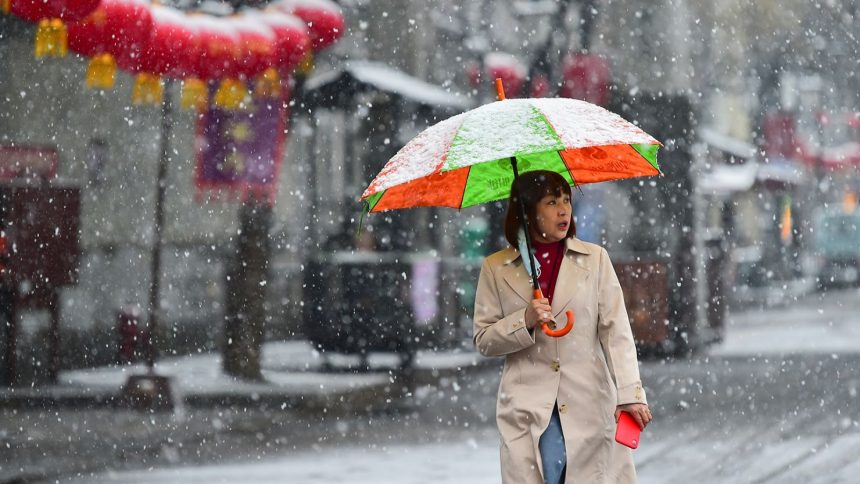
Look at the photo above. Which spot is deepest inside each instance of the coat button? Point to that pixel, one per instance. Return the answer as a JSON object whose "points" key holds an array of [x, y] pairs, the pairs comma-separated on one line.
{"points": [[562, 409], [556, 366]]}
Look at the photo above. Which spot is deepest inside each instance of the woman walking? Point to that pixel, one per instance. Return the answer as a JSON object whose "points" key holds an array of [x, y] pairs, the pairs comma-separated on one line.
{"points": [[559, 398]]}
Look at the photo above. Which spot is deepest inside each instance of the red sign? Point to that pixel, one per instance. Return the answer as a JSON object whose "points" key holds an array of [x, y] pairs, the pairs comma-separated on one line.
{"points": [[780, 135], [586, 77], [28, 162]]}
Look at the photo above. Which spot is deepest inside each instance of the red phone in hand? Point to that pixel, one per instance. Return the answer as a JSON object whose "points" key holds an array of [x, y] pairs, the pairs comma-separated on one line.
{"points": [[627, 432]]}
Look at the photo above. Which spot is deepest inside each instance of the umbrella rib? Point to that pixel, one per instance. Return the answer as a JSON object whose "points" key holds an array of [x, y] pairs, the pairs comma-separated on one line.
{"points": [[549, 123], [465, 186], [558, 153], [558, 135]]}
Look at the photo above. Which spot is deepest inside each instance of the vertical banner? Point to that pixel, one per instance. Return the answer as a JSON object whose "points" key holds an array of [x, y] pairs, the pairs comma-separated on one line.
{"points": [[240, 150], [424, 290]]}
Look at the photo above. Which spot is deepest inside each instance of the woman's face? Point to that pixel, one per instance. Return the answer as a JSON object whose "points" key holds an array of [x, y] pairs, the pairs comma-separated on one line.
{"points": [[553, 218]]}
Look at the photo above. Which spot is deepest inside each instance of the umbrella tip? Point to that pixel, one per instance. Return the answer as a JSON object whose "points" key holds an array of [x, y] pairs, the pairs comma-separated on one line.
{"points": [[500, 89]]}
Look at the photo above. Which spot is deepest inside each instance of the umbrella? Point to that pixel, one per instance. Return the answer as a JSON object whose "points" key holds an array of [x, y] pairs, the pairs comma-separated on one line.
{"points": [[474, 157]]}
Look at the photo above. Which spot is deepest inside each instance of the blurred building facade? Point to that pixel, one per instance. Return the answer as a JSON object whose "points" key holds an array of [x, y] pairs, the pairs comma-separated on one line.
{"points": [[733, 61]]}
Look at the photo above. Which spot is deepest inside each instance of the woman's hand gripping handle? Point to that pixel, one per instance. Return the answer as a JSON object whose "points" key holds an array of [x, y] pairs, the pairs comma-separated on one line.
{"points": [[540, 312]]}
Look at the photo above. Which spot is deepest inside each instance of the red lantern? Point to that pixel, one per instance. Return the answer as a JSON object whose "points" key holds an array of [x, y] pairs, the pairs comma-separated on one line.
{"points": [[512, 72], [219, 48], [65, 10], [586, 77], [292, 40], [256, 46], [172, 39], [114, 26], [323, 18], [219, 60], [52, 15], [259, 56], [171, 46]]}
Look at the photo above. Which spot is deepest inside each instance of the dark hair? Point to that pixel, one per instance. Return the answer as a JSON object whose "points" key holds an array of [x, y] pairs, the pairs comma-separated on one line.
{"points": [[533, 186]]}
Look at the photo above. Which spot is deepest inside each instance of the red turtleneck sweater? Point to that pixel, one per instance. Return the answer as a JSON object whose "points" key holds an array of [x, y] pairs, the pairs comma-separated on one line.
{"points": [[549, 256]]}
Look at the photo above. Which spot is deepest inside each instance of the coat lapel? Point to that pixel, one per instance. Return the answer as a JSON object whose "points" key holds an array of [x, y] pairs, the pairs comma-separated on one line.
{"points": [[516, 277], [570, 275]]}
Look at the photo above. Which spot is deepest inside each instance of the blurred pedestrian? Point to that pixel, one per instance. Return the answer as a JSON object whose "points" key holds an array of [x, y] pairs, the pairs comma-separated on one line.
{"points": [[559, 398]]}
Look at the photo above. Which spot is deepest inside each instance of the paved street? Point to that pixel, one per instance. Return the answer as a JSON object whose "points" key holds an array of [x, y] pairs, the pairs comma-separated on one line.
{"points": [[776, 413]]}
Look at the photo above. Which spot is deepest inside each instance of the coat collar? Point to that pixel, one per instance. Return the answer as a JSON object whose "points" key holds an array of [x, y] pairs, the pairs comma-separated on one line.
{"points": [[518, 280], [572, 244]]}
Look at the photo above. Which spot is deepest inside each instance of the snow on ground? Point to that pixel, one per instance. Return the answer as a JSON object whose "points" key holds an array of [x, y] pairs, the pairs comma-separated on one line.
{"points": [[477, 462], [470, 462], [675, 452], [821, 324], [202, 374], [288, 367]]}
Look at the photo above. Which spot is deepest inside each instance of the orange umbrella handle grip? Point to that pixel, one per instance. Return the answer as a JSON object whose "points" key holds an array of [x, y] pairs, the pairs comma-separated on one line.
{"points": [[556, 333]]}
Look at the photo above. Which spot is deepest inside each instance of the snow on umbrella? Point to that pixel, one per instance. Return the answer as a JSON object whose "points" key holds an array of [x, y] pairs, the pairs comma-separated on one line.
{"points": [[474, 157]]}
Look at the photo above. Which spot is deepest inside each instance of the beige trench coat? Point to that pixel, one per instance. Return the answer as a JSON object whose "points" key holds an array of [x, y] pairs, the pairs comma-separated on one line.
{"points": [[587, 373]]}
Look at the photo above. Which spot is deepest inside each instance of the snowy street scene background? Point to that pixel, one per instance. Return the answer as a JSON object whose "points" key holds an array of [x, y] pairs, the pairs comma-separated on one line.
{"points": [[192, 290]]}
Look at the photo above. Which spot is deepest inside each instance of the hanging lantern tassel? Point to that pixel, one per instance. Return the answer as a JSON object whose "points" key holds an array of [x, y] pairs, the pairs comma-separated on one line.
{"points": [[231, 94], [101, 72], [307, 64], [51, 38], [147, 89], [195, 94], [268, 84]]}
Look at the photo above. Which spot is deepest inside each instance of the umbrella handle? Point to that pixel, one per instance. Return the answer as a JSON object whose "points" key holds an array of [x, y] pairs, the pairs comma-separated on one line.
{"points": [[556, 333]]}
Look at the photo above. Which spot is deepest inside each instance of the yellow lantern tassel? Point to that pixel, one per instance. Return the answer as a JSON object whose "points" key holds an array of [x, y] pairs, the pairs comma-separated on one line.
{"points": [[195, 94], [231, 94], [51, 38], [6, 6], [101, 72], [147, 89], [44, 35], [307, 64], [268, 84], [62, 36]]}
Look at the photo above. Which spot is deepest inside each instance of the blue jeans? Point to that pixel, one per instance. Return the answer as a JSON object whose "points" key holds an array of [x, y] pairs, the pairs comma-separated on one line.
{"points": [[552, 451]]}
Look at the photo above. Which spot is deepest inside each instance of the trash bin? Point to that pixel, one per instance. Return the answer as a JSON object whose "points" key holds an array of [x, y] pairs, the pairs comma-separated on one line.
{"points": [[362, 302]]}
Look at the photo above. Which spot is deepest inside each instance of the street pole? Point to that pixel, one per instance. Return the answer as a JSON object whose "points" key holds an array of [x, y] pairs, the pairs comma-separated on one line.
{"points": [[700, 256], [150, 391], [155, 271]]}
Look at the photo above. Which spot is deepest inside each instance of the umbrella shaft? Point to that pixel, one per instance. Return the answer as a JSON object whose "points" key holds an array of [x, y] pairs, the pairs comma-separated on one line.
{"points": [[525, 221]]}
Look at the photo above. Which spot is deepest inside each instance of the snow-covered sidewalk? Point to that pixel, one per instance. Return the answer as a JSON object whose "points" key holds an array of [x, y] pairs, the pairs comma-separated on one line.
{"points": [[472, 461], [292, 370], [819, 323], [726, 442]]}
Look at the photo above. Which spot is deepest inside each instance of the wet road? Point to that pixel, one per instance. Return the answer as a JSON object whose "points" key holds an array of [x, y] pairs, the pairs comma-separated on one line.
{"points": [[779, 410]]}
